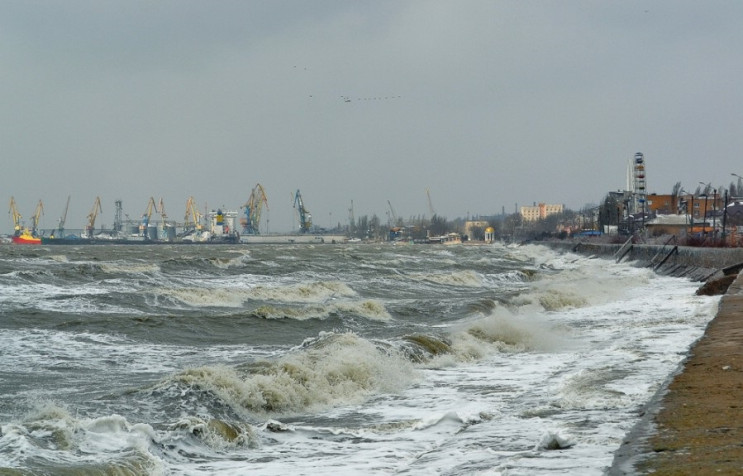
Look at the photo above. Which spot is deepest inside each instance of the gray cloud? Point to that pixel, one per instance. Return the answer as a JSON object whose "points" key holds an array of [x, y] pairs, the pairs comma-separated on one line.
{"points": [[486, 104]]}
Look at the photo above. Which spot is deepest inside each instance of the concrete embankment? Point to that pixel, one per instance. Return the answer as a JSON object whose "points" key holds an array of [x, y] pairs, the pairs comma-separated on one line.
{"points": [[695, 263], [694, 424]]}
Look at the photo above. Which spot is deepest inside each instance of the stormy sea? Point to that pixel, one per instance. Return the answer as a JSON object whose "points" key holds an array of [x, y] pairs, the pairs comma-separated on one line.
{"points": [[345, 359]]}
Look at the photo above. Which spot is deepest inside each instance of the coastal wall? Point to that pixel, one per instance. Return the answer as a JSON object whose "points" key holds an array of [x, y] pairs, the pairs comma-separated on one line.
{"points": [[696, 263]]}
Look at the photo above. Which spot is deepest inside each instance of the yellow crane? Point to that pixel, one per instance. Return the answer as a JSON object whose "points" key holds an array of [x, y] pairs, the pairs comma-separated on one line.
{"points": [[63, 219], [92, 216], [162, 211], [192, 220], [253, 208], [36, 217], [16, 217]]}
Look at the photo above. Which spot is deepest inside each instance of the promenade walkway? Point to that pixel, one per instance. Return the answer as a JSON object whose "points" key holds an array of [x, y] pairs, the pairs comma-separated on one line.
{"points": [[698, 428]]}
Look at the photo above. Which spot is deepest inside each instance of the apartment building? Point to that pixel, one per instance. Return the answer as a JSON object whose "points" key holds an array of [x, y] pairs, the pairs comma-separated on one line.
{"points": [[540, 211]]}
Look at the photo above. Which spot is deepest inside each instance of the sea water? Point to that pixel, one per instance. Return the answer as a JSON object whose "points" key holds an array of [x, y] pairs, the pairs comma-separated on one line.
{"points": [[347, 359]]}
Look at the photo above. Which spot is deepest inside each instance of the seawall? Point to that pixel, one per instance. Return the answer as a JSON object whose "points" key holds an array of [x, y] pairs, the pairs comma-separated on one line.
{"points": [[694, 423], [696, 263]]}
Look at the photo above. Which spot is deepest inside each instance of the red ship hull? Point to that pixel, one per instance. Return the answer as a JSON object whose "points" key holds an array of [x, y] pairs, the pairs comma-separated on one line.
{"points": [[26, 240]]}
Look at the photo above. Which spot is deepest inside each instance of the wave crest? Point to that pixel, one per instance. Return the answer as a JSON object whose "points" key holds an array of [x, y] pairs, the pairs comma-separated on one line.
{"points": [[318, 291], [467, 278], [314, 292], [218, 434], [504, 332], [329, 370], [369, 309], [51, 441]]}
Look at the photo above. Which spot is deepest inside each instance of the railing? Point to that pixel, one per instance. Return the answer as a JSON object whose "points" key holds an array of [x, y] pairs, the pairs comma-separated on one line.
{"points": [[667, 255], [623, 250]]}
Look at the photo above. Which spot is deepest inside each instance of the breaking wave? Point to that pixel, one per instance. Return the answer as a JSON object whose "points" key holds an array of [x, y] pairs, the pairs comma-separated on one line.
{"points": [[124, 267], [466, 278], [332, 369], [51, 441], [369, 309], [217, 434], [314, 292], [304, 292]]}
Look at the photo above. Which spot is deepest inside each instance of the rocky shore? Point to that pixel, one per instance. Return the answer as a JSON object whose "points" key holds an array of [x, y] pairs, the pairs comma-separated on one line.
{"points": [[694, 424]]}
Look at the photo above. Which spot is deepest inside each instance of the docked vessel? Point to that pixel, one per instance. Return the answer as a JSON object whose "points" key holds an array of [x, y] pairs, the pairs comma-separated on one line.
{"points": [[21, 234], [25, 237]]}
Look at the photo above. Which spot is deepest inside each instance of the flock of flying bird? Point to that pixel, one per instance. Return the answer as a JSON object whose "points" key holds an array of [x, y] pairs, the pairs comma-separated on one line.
{"points": [[380, 98]]}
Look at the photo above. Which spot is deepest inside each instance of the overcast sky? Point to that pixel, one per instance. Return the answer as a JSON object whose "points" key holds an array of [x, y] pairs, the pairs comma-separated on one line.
{"points": [[486, 104]]}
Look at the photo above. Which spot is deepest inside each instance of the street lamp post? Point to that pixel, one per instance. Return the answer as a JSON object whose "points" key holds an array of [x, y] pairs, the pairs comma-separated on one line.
{"points": [[706, 195], [724, 218], [688, 213], [714, 215], [704, 222]]}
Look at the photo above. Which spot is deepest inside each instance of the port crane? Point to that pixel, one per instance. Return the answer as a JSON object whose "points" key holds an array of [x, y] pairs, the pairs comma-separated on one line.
{"points": [[392, 215], [430, 203], [151, 205], [162, 212], [36, 217], [118, 220], [305, 218], [16, 217], [351, 219], [63, 219], [192, 219], [253, 208], [92, 216], [395, 230]]}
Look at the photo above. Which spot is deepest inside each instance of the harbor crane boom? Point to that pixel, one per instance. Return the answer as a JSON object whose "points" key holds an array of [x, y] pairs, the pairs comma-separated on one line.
{"points": [[305, 218], [393, 215], [36, 217], [16, 217], [162, 211], [430, 203], [192, 220], [63, 218], [92, 216], [253, 208]]}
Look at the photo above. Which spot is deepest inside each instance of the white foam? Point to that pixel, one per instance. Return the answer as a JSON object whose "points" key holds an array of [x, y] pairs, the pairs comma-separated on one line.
{"points": [[336, 368]]}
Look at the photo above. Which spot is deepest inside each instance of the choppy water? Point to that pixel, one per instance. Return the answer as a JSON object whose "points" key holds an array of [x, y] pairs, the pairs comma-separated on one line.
{"points": [[355, 359]]}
